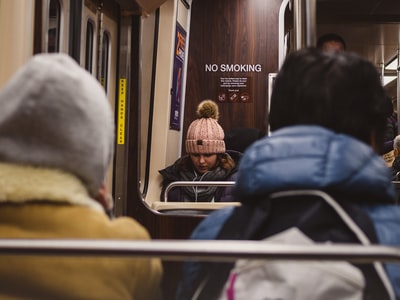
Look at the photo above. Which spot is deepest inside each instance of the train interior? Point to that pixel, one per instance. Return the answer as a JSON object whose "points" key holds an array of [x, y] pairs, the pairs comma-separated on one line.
{"points": [[370, 28], [130, 47], [157, 59]]}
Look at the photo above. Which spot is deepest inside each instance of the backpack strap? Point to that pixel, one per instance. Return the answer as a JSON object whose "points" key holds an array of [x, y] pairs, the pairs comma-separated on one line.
{"points": [[212, 276]]}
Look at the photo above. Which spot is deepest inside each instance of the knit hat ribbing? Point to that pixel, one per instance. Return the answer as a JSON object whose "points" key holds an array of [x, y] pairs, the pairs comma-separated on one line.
{"points": [[54, 114], [205, 135]]}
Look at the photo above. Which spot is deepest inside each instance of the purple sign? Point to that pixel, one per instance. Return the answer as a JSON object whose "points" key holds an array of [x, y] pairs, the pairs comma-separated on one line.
{"points": [[177, 78]]}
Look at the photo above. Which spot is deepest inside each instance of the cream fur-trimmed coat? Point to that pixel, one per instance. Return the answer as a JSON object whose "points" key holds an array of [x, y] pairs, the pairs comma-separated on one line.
{"points": [[44, 203]]}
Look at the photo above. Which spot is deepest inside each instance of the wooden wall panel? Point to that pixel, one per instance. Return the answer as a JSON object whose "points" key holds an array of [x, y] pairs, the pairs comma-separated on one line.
{"points": [[243, 32]]}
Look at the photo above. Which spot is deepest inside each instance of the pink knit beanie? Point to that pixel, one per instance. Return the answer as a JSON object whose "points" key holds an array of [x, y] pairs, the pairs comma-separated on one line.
{"points": [[205, 135]]}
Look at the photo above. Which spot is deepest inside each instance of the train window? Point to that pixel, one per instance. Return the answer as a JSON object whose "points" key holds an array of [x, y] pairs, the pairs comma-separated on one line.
{"points": [[369, 29], [105, 52], [53, 34], [89, 46]]}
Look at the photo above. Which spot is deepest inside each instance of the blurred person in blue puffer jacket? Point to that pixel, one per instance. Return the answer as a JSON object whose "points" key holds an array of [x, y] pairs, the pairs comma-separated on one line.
{"points": [[328, 115]]}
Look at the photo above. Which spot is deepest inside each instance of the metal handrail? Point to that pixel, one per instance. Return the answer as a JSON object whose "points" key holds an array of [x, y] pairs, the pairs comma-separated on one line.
{"points": [[281, 34], [195, 183], [305, 20], [311, 22], [207, 250], [215, 250]]}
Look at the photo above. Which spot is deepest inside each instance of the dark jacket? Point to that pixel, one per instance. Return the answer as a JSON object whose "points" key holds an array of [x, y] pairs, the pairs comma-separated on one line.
{"points": [[171, 174], [395, 168], [390, 133], [305, 157]]}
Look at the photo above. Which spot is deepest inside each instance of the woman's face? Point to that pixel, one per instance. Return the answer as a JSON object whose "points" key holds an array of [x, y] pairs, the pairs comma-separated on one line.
{"points": [[204, 162]]}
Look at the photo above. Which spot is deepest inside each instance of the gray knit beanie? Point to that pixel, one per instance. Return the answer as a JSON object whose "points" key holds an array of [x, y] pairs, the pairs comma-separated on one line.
{"points": [[54, 114], [205, 135]]}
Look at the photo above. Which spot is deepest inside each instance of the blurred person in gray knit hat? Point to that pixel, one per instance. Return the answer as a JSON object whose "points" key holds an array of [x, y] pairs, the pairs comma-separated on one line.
{"points": [[56, 144], [206, 160]]}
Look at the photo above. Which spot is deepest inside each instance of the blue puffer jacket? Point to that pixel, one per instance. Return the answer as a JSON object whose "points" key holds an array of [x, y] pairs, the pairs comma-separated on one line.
{"points": [[312, 157]]}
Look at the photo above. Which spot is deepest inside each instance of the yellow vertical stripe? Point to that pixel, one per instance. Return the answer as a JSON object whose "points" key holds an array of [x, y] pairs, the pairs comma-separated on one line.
{"points": [[121, 111]]}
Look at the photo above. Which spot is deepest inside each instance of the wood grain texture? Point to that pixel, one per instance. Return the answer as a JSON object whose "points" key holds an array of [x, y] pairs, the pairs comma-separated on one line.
{"points": [[232, 32]]}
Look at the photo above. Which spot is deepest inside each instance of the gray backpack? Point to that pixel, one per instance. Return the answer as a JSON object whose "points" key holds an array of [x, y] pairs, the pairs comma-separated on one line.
{"points": [[288, 280]]}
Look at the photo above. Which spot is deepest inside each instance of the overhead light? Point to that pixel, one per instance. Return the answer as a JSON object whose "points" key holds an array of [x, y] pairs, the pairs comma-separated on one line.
{"points": [[388, 79], [393, 64]]}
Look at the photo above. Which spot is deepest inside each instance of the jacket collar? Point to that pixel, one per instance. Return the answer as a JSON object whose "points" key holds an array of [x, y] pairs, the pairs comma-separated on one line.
{"points": [[22, 183]]}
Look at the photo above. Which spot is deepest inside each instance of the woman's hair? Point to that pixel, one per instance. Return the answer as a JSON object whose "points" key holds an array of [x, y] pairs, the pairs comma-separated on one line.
{"points": [[339, 91], [396, 142], [224, 160]]}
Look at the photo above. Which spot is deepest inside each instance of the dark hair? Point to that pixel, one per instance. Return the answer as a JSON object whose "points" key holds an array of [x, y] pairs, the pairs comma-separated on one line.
{"points": [[224, 160], [330, 37], [240, 138], [339, 91]]}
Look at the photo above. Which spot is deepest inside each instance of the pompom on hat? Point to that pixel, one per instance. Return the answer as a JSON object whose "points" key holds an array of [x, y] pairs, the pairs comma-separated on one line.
{"points": [[205, 135], [54, 114]]}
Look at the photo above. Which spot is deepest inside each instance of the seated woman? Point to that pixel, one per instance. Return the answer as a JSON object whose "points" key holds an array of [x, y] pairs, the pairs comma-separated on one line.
{"points": [[207, 160], [395, 168]]}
